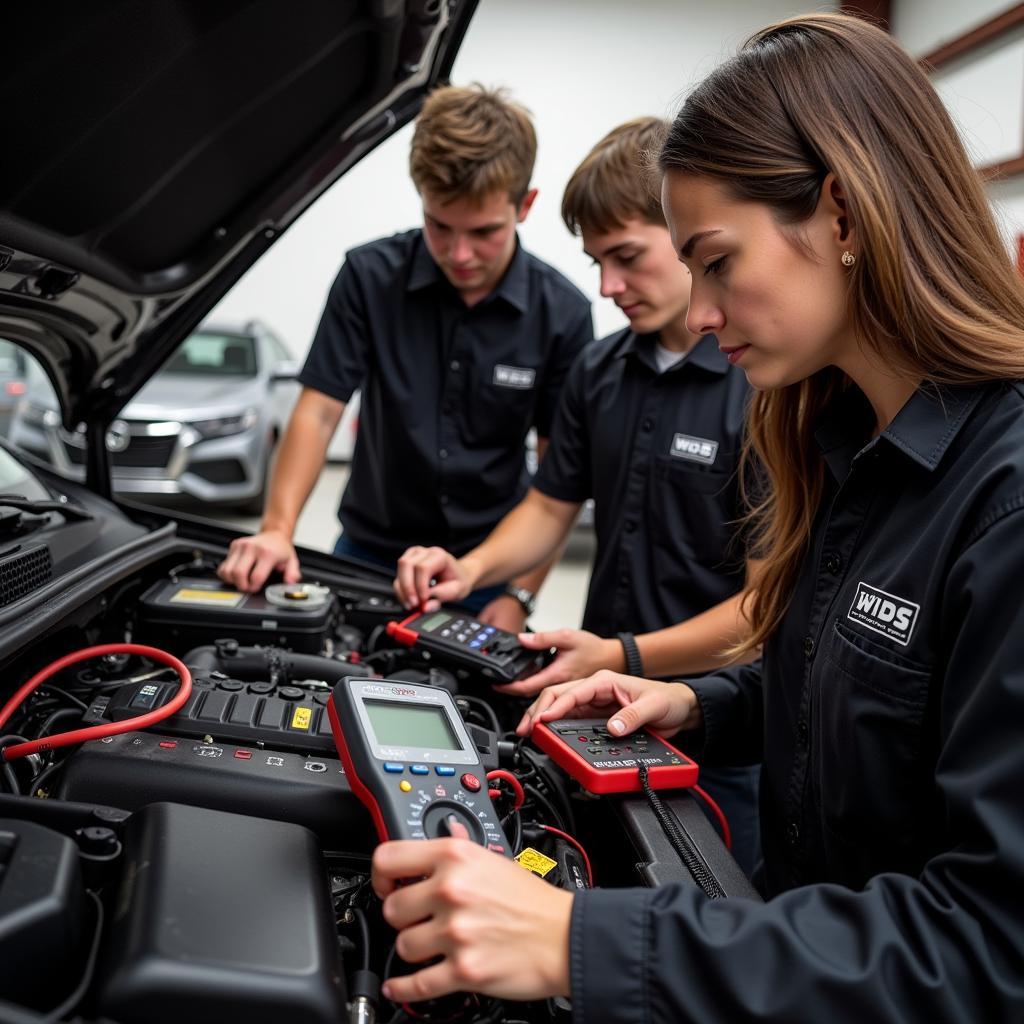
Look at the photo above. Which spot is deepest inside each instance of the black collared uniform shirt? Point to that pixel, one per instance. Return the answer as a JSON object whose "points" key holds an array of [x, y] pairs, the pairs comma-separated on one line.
{"points": [[889, 714], [448, 392], [658, 453]]}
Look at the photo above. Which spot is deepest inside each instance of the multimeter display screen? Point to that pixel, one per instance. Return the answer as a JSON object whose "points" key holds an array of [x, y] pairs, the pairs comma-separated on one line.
{"points": [[428, 625], [411, 725]]}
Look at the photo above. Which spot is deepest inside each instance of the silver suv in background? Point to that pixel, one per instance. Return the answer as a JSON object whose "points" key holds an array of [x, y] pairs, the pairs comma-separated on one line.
{"points": [[203, 428]]}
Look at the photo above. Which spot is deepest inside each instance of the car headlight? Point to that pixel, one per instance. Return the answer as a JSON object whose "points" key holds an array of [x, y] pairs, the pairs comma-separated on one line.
{"points": [[224, 426]]}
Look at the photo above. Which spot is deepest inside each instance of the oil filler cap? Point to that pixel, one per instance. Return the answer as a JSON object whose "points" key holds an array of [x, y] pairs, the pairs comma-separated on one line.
{"points": [[298, 596]]}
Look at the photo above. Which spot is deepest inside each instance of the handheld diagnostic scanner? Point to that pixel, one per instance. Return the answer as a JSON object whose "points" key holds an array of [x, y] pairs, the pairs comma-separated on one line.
{"points": [[410, 760], [604, 763], [457, 639]]}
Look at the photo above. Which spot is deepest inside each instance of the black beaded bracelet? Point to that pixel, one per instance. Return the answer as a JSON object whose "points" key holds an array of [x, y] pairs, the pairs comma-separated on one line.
{"points": [[634, 663]]}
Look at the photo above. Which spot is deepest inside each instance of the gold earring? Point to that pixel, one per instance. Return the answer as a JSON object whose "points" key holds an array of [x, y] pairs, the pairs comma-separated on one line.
{"points": [[848, 258]]}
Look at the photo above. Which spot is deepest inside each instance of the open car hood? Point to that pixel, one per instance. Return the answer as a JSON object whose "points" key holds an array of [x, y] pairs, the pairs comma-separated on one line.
{"points": [[154, 151]]}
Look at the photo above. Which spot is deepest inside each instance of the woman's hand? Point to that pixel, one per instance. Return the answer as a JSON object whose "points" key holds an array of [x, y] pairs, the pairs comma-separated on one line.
{"points": [[499, 930], [579, 654], [664, 708]]}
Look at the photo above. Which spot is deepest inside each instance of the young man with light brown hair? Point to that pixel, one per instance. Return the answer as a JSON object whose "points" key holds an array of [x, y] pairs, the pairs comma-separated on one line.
{"points": [[459, 341], [650, 426]]}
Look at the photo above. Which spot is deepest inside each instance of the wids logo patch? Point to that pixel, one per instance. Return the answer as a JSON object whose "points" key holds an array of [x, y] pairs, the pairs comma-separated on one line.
{"points": [[696, 449], [521, 377], [894, 617]]}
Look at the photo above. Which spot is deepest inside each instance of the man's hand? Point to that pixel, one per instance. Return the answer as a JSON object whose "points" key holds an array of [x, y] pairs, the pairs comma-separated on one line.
{"points": [[664, 708], [500, 930], [506, 613], [251, 560], [580, 654], [418, 567]]}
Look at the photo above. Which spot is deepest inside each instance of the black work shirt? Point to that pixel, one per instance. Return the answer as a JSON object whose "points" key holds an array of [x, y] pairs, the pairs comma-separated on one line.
{"points": [[448, 392], [658, 453], [889, 713]]}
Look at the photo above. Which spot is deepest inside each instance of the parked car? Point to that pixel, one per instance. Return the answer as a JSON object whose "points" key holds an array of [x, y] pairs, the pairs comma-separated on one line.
{"points": [[203, 428]]}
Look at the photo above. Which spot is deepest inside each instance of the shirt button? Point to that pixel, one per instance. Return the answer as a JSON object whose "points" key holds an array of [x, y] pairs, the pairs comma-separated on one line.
{"points": [[455, 365], [793, 833], [833, 563], [647, 425], [801, 731], [443, 453], [629, 525], [808, 646]]}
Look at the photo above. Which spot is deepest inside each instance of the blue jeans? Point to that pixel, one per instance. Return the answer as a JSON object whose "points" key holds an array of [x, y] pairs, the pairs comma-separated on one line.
{"points": [[474, 602], [735, 790]]}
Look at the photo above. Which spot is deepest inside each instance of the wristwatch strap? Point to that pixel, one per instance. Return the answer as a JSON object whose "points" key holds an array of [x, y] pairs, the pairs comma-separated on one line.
{"points": [[525, 597], [634, 663]]}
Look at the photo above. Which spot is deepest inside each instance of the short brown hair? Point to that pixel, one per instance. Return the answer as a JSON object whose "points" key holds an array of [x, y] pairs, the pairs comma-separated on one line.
{"points": [[472, 141], [613, 183]]}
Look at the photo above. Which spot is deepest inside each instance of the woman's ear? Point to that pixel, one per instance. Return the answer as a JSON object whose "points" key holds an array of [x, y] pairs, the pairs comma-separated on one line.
{"points": [[832, 203]]}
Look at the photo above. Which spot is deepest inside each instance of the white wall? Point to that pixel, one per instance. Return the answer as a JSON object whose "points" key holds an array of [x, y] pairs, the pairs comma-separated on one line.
{"points": [[581, 66]]}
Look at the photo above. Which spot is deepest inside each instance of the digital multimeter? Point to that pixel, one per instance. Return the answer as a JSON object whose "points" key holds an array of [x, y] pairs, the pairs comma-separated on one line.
{"points": [[604, 763], [463, 642], [409, 759]]}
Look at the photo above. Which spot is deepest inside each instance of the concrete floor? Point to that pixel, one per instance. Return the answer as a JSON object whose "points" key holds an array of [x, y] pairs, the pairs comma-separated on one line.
{"points": [[559, 604]]}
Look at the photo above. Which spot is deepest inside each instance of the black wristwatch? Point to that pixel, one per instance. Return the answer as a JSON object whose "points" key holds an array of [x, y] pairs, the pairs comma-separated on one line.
{"points": [[525, 597]]}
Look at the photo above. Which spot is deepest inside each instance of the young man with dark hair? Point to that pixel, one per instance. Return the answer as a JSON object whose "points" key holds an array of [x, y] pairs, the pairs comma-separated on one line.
{"points": [[650, 426], [459, 341]]}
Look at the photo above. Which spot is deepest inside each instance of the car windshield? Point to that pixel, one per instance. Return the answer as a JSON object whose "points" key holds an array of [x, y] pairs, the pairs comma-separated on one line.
{"points": [[208, 354]]}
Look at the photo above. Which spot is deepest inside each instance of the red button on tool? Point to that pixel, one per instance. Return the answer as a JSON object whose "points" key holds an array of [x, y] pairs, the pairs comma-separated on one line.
{"points": [[168, 744], [496, 847], [243, 755], [583, 739], [471, 782]]}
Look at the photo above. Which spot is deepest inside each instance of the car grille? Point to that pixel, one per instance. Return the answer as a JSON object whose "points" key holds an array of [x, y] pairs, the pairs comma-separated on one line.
{"points": [[142, 453], [23, 573]]}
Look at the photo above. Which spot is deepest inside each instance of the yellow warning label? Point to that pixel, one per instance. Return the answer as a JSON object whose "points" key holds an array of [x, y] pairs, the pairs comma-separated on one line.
{"points": [[301, 718], [535, 861], [231, 598]]}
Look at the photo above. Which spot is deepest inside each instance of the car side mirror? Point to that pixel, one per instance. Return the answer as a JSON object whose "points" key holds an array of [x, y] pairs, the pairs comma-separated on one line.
{"points": [[285, 371]]}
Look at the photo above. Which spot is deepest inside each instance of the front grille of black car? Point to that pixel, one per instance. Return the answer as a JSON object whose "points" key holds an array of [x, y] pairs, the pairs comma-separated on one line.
{"points": [[23, 573], [142, 453]]}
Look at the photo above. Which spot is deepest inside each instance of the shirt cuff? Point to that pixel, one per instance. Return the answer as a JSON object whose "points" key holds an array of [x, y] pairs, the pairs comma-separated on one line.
{"points": [[609, 958], [560, 492]]}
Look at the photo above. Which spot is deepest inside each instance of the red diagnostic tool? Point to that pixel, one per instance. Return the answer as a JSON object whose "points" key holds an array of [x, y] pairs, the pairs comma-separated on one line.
{"points": [[604, 763]]}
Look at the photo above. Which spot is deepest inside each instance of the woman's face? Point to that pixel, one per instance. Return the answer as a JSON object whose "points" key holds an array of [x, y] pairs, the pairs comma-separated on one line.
{"points": [[777, 298]]}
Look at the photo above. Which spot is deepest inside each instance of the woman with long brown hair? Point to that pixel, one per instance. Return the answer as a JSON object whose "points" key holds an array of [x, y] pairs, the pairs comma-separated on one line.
{"points": [[843, 252]]}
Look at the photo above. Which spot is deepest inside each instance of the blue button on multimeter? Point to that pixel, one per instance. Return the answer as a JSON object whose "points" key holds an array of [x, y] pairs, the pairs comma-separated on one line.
{"points": [[393, 767]]}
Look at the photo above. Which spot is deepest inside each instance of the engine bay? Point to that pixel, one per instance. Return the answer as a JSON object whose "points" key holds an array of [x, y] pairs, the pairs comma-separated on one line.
{"points": [[215, 863]]}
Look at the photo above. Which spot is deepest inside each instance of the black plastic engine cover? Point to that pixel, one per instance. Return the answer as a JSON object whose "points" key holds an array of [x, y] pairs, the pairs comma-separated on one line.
{"points": [[221, 917], [139, 768], [42, 924]]}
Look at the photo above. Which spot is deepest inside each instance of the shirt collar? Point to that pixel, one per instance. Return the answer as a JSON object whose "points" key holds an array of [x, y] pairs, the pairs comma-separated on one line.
{"points": [[514, 287], [705, 354], [922, 430]]}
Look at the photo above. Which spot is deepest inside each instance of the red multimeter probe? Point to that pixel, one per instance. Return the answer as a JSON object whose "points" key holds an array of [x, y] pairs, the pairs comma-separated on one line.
{"points": [[604, 763]]}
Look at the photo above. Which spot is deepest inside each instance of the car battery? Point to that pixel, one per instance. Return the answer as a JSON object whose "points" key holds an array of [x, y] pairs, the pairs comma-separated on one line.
{"points": [[183, 613]]}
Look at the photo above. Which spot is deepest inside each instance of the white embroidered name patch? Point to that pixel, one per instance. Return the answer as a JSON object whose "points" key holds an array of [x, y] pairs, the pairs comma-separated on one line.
{"points": [[696, 449], [520, 377], [894, 617]]}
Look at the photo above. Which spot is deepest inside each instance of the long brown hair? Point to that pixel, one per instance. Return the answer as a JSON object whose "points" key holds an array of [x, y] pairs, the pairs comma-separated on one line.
{"points": [[933, 292]]}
